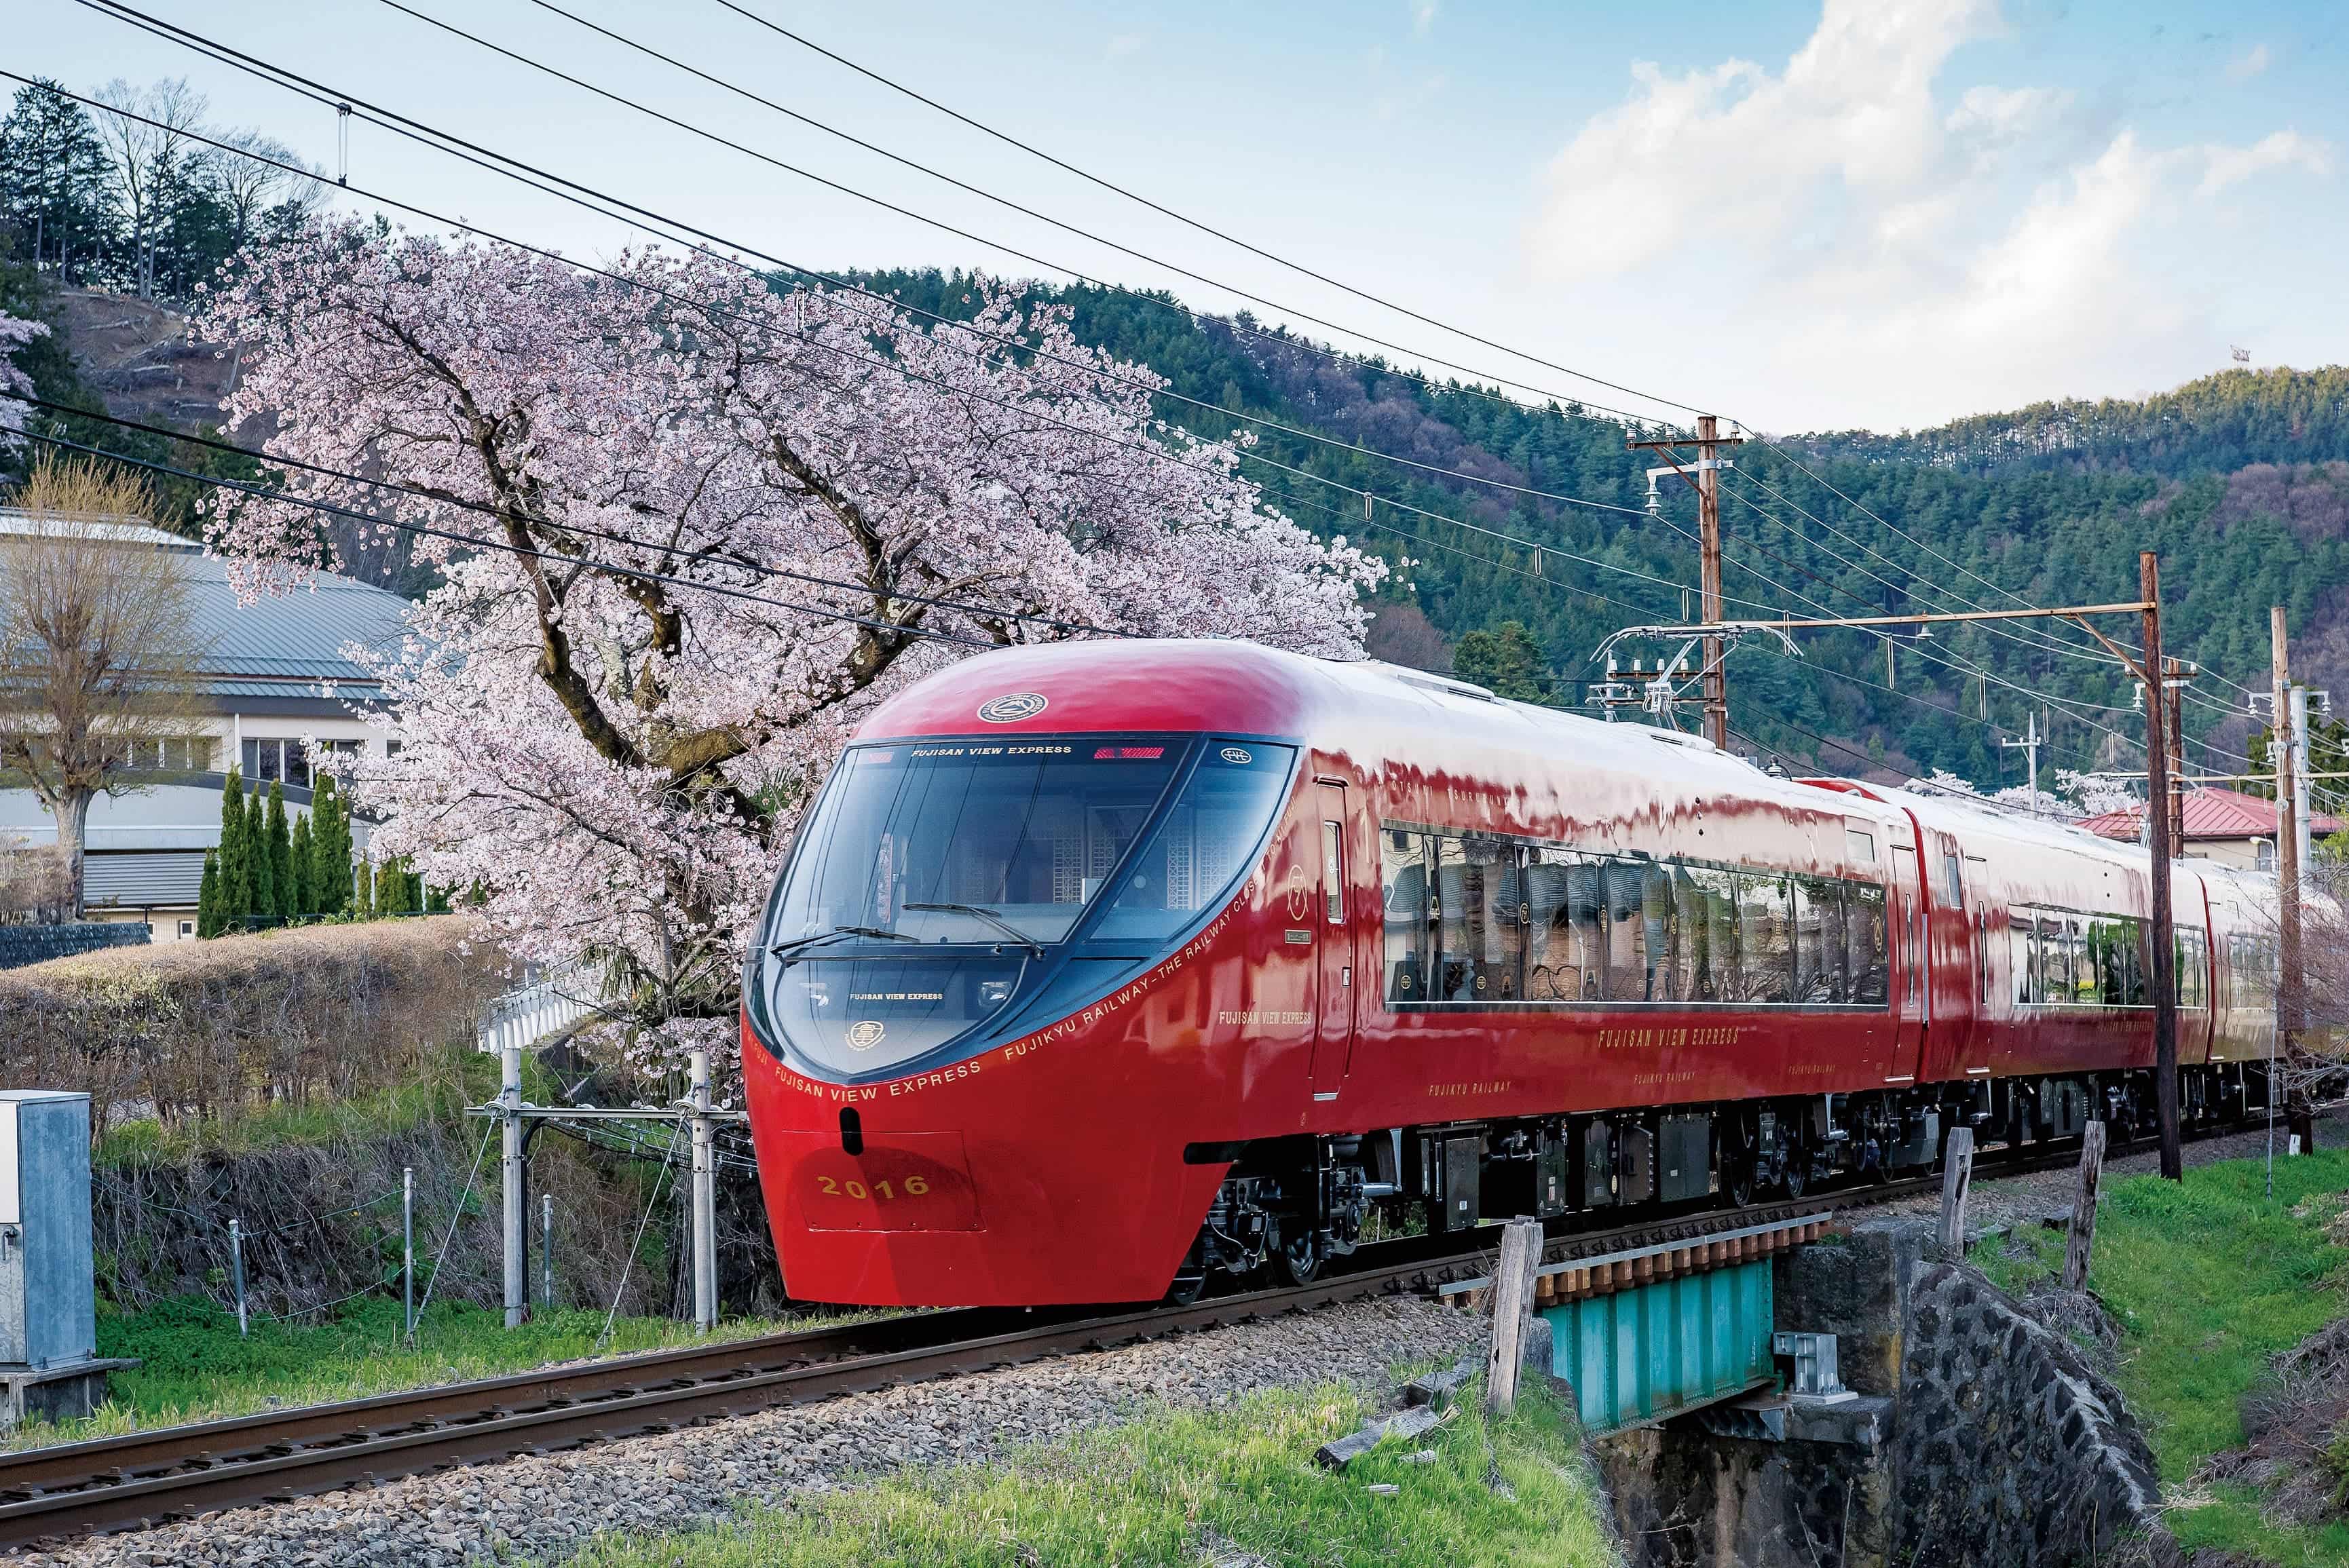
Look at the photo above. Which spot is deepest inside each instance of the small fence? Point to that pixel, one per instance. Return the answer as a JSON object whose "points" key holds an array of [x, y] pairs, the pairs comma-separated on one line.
{"points": [[547, 1001], [23, 945]]}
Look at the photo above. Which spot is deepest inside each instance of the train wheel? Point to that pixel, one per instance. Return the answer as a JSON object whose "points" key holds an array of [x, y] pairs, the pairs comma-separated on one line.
{"points": [[1187, 1289], [1298, 1262], [1797, 1179]]}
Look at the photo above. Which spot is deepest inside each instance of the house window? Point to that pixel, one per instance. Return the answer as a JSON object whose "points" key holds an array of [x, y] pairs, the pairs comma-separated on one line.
{"points": [[187, 928], [2267, 851]]}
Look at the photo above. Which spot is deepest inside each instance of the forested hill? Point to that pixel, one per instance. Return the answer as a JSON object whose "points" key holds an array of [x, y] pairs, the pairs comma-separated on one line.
{"points": [[2238, 481], [2210, 426]]}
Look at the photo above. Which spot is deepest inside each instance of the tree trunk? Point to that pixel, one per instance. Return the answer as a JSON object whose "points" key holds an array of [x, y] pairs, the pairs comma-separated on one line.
{"points": [[73, 824]]}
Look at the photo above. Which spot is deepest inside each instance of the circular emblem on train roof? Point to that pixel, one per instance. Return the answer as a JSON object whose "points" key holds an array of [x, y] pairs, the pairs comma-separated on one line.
{"points": [[865, 1034], [1011, 708], [1239, 757]]}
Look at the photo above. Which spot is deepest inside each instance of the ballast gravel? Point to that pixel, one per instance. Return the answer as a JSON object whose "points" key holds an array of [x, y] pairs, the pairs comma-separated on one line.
{"points": [[542, 1509]]}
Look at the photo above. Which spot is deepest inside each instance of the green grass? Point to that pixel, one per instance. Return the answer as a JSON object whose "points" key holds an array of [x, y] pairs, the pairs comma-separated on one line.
{"points": [[2210, 1279], [1155, 1491], [196, 1367]]}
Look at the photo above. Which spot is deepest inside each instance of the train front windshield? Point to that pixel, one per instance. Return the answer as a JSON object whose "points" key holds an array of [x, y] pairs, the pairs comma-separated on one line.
{"points": [[936, 877]]}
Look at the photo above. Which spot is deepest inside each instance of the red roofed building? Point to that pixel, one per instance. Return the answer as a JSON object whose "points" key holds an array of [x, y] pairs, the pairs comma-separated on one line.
{"points": [[2222, 825]]}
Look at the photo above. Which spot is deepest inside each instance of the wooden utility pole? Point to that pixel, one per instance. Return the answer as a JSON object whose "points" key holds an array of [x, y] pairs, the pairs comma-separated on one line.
{"points": [[1707, 479], [1957, 1183], [2084, 1208], [2158, 816], [1512, 1310], [2283, 741]]}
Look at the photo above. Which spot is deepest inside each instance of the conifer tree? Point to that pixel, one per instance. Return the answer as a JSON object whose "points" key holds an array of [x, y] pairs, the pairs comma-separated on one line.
{"points": [[281, 856], [208, 915], [304, 900], [236, 897], [330, 849], [261, 866]]}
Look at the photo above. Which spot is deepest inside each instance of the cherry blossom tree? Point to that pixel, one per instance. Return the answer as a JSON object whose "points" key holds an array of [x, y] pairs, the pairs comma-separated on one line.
{"points": [[15, 334], [612, 710]]}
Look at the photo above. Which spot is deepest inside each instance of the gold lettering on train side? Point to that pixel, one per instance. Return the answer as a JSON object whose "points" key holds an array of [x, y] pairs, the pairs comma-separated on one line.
{"points": [[1257, 1016], [1656, 1039], [1645, 1081], [1453, 1090]]}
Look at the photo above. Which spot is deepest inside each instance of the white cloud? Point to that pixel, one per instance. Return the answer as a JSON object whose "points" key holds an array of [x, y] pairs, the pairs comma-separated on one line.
{"points": [[1422, 17], [2244, 66], [2226, 166], [1125, 44], [1878, 251]]}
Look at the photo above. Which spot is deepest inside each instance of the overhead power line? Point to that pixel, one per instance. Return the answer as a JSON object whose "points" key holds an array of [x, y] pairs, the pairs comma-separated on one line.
{"points": [[578, 530], [264, 492], [1203, 228], [701, 239]]}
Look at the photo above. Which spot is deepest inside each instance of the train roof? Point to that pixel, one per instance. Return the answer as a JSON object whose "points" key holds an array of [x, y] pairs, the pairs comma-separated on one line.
{"points": [[1241, 687]]}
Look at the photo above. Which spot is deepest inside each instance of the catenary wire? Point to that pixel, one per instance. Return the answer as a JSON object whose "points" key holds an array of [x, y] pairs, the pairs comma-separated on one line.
{"points": [[488, 509], [981, 192]]}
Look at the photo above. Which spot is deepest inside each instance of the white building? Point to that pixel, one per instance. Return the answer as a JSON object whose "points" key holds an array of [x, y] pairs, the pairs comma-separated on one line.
{"points": [[270, 670]]}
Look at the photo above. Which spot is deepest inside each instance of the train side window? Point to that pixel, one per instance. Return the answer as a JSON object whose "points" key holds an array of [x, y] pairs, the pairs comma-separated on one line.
{"points": [[1625, 885], [2135, 985], [2019, 957], [1860, 845], [2086, 988], [1869, 939], [2051, 949], [1469, 959], [1690, 942], [1554, 971], [1500, 886], [1819, 944], [1952, 892], [1333, 872], [1765, 919], [1721, 978], [1403, 886]]}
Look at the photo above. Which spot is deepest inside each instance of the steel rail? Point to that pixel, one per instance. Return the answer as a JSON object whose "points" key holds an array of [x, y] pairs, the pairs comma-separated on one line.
{"points": [[141, 1479]]}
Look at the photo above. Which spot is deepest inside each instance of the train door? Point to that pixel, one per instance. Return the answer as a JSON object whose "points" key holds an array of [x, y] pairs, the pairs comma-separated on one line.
{"points": [[1957, 1038], [1909, 998], [1333, 1036]]}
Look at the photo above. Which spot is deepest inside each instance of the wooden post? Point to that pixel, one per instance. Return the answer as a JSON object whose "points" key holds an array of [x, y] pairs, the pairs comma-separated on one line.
{"points": [[1957, 1180], [2083, 1208], [1512, 1305]]}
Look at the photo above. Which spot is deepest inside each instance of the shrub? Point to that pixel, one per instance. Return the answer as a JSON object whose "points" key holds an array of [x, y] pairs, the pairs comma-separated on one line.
{"points": [[208, 1031]]}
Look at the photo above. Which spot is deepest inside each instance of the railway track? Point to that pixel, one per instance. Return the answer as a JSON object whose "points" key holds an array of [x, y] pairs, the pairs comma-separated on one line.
{"points": [[147, 1478]]}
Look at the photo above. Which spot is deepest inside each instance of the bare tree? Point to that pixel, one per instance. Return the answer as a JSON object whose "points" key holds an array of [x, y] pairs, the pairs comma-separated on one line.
{"points": [[250, 189], [99, 648], [149, 155]]}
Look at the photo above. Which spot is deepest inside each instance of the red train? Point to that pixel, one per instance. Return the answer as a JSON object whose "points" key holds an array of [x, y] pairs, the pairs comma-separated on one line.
{"points": [[1103, 969]]}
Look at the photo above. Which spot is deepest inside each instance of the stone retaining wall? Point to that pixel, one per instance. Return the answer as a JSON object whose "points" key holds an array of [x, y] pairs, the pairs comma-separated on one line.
{"points": [[2000, 1445], [23, 945]]}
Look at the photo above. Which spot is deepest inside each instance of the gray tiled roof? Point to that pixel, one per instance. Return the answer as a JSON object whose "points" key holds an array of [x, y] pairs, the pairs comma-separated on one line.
{"points": [[282, 644]]}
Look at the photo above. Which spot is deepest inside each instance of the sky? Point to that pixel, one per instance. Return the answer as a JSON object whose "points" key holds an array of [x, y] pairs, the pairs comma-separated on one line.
{"points": [[1878, 213]]}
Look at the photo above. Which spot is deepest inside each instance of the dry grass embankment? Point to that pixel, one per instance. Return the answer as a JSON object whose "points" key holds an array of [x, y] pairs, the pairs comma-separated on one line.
{"points": [[204, 1033]]}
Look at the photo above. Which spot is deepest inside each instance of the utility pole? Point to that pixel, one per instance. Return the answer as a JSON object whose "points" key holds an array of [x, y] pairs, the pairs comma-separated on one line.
{"points": [[705, 1201], [2165, 938], [516, 1211], [1707, 481], [2029, 747], [2283, 754]]}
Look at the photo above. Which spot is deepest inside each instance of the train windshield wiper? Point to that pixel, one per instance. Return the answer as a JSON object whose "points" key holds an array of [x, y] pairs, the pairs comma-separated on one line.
{"points": [[993, 919], [786, 949]]}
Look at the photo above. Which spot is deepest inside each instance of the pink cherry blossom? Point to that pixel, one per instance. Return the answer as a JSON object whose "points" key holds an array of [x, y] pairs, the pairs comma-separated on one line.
{"points": [[15, 334], [616, 763]]}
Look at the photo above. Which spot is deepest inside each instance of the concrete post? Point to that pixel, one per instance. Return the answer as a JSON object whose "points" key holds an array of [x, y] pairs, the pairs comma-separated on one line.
{"points": [[516, 1214], [407, 1250], [705, 1202], [546, 1250]]}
